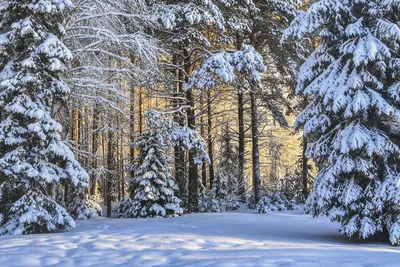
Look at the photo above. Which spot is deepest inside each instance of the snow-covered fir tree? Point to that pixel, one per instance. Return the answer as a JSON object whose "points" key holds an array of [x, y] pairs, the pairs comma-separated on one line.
{"points": [[80, 207], [154, 187], [33, 156], [226, 185], [352, 122]]}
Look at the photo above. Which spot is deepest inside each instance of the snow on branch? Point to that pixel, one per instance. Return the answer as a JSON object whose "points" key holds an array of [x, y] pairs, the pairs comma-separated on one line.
{"points": [[172, 134], [228, 66]]}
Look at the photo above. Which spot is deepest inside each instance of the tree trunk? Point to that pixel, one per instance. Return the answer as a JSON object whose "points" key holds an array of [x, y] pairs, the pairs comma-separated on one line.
{"points": [[79, 136], [304, 163], [193, 172], [109, 175], [202, 133], [209, 138], [140, 112], [255, 150], [116, 162], [121, 163], [95, 135], [132, 129], [179, 155], [242, 188]]}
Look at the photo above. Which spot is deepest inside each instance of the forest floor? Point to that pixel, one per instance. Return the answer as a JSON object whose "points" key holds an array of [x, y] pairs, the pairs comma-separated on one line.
{"points": [[241, 238]]}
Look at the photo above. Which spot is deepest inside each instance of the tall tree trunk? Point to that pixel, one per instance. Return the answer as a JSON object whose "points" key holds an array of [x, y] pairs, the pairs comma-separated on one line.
{"points": [[86, 136], [255, 136], [202, 133], [304, 163], [104, 162], [79, 137], [95, 136], [193, 168], [209, 138], [121, 163], [132, 129], [109, 175], [255, 150], [140, 112], [242, 188], [116, 161], [179, 155]]}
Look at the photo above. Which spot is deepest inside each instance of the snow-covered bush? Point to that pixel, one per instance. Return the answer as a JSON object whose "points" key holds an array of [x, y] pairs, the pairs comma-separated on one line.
{"points": [[82, 208], [232, 203], [209, 203], [275, 202]]}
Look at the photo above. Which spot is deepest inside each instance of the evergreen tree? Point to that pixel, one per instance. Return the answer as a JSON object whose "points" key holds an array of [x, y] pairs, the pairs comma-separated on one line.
{"points": [[33, 156], [80, 207], [154, 187], [226, 188], [226, 185], [352, 121]]}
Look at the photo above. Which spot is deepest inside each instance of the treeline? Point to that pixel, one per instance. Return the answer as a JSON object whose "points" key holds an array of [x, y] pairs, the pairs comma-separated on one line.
{"points": [[179, 43], [164, 106]]}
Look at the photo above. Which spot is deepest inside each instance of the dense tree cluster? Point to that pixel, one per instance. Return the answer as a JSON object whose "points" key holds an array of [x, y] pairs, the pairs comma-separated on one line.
{"points": [[179, 106]]}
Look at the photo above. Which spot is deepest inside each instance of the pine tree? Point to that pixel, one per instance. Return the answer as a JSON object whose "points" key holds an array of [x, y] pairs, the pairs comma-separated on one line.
{"points": [[154, 187], [33, 156], [352, 121]]}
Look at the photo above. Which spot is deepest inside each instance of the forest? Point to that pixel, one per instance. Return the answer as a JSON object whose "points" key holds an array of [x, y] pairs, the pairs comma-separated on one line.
{"points": [[171, 108]]}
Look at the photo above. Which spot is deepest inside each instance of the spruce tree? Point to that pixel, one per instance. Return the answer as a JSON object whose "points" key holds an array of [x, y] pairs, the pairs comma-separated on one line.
{"points": [[352, 121], [226, 185], [33, 156], [154, 187]]}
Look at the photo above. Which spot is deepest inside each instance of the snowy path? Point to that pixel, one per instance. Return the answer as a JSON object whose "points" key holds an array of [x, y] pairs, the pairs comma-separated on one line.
{"points": [[226, 239]]}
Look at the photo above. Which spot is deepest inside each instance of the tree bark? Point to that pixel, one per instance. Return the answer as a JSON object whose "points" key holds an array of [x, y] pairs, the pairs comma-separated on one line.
{"points": [[95, 136], [121, 163], [109, 175], [179, 155], [255, 150], [202, 133], [304, 163], [132, 129], [116, 161], [140, 112], [242, 188], [255, 136], [209, 139], [193, 168]]}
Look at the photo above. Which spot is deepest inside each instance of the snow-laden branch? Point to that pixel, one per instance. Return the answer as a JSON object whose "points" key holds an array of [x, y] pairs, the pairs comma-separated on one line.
{"points": [[228, 66]]}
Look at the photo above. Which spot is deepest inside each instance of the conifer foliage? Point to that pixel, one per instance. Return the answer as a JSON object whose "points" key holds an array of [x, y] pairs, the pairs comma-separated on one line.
{"points": [[353, 119], [226, 185], [154, 187], [33, 156]]}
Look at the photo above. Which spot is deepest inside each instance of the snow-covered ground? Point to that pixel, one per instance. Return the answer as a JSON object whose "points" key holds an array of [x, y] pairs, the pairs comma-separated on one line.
{"points": [[225, 239]]}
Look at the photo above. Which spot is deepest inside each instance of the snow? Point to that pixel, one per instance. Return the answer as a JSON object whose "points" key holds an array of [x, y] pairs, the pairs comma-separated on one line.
{"points": [[241, 238]]}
